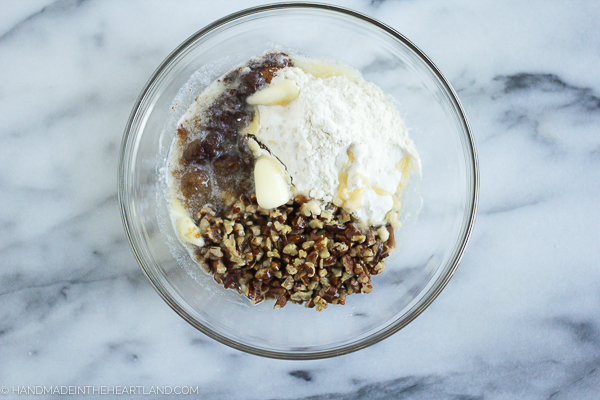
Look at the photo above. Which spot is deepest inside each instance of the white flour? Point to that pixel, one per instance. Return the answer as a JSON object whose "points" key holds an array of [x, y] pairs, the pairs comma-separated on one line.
{"points": [[331, 118]]}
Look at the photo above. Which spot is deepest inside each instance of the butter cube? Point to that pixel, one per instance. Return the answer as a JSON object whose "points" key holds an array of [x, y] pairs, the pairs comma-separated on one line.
{"points": [[272, 189], [275, 95]]}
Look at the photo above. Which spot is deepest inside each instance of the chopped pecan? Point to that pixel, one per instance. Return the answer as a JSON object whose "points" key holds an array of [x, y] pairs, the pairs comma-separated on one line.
{"points": [[310, 269], [316, 224], [290, 249], [218, 266], [264, 273], [254, 297], [320, 303], [329, 261], [370, 237], [330, 294], [308, 244], [291, 253], [214, 234], [348, 263], [339, 249], [281, 302], [391, 242], [238, 229], [275, 265], [312, 257], [215, 253], [296, 238], [256, 241], [326, 215], [363, 278], [335, 227], [300, 222], [207, 209], [378, 268], [321, 243]]}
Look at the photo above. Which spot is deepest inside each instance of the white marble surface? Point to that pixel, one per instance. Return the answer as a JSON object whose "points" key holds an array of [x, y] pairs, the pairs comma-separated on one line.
{"points": [[519, 320]]}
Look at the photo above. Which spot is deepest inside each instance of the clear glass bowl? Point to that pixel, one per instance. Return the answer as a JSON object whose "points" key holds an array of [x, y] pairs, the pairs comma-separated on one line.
{"points": [[430, 245]]}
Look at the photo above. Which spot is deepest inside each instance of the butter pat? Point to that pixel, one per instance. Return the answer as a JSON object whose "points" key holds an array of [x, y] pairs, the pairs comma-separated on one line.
{"points": [[186, 228], [272, 189], [275, 95]]}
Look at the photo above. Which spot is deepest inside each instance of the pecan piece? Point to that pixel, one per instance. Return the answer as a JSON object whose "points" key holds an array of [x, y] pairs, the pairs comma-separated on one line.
{"points": [[231, 279], [321, 243], [215, 253], [254, 297], [310, 269], [330, 294], [391, 242], [316, 224], [351, 231], [312, 257], [275, 265], [290, 249], [214, 234], [335, 227], [288, 283], [276, 292], [370, 237], [218, 266], [264, 274], [363, 278], [296, 238], [300, 222], [320, 303], [331, 260], [378, 268], [367, 254], [207, 209], [301, 199], [348, 263], [281, 302], [339, 249]]}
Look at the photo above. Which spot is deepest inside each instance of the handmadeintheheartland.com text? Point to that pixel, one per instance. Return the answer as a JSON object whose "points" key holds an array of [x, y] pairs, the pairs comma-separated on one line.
{"points": [[98, 390]]}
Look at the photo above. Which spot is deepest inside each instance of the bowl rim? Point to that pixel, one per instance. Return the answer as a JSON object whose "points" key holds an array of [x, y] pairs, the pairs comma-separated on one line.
{"points": [[393, 327]]}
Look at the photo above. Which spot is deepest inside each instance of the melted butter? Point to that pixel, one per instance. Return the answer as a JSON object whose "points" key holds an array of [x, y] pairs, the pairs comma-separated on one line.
{"points": [[364, 179], [186, 228], [380, 191], [404, 166], [253, 128], [352, 200], [342, 193], [350, 157], [393, 216]]}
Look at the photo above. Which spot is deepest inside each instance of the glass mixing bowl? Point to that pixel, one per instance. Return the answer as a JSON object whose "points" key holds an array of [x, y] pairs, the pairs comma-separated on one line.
{"points": [[438, 212]]}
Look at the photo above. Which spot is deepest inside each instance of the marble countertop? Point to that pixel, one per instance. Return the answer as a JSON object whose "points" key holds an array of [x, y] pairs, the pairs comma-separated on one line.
{"points": [[519, 320]]}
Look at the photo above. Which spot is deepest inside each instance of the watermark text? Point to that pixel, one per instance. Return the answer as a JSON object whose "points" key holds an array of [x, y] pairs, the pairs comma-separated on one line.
{"points": [[114, 390]]}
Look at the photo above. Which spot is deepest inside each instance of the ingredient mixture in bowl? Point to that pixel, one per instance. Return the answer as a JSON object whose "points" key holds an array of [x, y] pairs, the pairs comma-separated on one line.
{"points": [[286, 176]]}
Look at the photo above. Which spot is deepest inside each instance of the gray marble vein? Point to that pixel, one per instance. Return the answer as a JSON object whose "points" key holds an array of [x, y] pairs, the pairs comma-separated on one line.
{"points": [[520, 318]]}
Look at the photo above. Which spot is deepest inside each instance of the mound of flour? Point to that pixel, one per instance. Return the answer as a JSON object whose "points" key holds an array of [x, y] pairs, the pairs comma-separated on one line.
{"points": [[341, 141]]}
